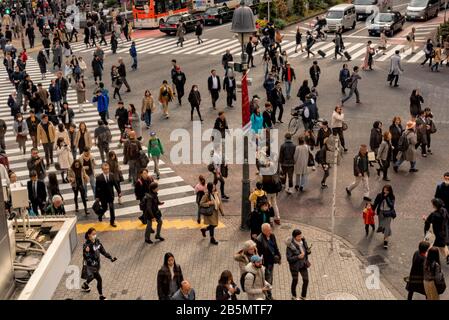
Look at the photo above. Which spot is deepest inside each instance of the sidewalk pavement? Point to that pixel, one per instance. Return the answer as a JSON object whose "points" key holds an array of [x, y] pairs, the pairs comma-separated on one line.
{"points": [[334, 275]]}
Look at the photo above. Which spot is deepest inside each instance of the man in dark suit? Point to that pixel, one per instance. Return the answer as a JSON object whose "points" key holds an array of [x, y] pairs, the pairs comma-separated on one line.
{"points": [[104, 192], [37, 193], [230, 88], [214, 86]]}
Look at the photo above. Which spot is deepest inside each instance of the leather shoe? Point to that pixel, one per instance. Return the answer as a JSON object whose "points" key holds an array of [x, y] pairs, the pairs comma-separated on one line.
{"points": [[160, 238], [113, 225], [149, 241]]}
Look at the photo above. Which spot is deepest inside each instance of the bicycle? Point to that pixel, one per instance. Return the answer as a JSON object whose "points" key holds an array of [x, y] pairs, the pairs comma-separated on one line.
{"points": [[319, 35], [296, 122]]}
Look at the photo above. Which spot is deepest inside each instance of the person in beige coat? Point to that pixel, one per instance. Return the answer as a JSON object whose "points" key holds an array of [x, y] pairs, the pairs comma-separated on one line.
{"points": [[147, 108], [243, 256], [410, 153], [165, 96], [62, 133], [211, 198], [65, 158], [46, 136], [301, 158], [83, 138]]}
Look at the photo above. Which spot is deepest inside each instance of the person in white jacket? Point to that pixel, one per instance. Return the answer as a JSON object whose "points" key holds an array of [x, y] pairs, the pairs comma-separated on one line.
{"points": [[337, 124], [256, 286]]}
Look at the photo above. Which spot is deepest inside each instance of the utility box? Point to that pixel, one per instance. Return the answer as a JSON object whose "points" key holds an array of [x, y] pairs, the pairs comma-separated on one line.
{"points": [[19, 197]]}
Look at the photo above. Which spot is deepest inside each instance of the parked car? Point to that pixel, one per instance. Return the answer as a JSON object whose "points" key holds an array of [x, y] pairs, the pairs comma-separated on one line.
{"points": [[170, 25], [341, 16], [422, 9], [218, 15], [391, 22]]}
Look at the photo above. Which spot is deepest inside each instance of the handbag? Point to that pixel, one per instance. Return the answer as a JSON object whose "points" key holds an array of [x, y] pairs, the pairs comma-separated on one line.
{"points": [[307, 264], [433, 128], [344, 126], [206, 211], [310, 161], [96, 207], [87, 271], [277, 183], [390, 76], [57, 166], [224, 170], [440, 282]]}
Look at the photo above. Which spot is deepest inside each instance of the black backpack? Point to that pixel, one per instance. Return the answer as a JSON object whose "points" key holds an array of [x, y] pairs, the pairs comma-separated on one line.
{"points": [[242, 280], [143, 203], [403, 143], [133, 150]]}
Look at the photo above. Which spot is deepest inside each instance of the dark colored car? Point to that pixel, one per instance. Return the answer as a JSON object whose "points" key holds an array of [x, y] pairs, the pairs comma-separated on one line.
{"points": [[170, 25], [390, 22], [218, 15]]}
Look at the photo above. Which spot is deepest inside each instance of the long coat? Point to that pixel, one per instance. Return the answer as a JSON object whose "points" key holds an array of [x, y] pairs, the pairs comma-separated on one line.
{"points": [[395, 65], [80, 93], [135, 124], [301, 159], [72, 177], [415, 283], [410, 153], [87, 138], [213, 219], [65, 157]]}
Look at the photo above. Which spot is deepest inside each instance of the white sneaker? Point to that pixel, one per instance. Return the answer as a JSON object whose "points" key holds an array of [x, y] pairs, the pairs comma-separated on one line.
{"points": [[294, 298], [289, 191]]}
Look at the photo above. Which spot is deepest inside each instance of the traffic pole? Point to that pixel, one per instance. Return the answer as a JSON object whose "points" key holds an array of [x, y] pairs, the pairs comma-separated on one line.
{"points": [[334, 190]]}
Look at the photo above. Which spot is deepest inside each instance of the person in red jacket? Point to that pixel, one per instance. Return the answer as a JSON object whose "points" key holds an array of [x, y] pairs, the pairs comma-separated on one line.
{"points": [[368, 217]]}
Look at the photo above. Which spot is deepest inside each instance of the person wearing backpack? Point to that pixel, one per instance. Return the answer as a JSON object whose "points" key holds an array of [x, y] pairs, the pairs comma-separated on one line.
{"points": [[258, 196], [439, 219], [406, 147], [298, 261], [131, 155], [253, 280], [151, 211], [103, 137], [155, 150]]}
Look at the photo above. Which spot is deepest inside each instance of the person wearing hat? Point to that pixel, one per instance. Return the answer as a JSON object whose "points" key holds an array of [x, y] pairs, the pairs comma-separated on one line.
{"points": [[179, 80], [287, 160], [298, 261], [256, 287], [155, 150], [407, 150], [288, 76]]}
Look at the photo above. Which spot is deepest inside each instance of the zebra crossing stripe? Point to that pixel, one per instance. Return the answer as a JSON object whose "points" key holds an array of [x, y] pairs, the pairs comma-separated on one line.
{"points": [[417, 57], [390, 52], [230, 47], [188, 47], [213, 45], [162, 46]]}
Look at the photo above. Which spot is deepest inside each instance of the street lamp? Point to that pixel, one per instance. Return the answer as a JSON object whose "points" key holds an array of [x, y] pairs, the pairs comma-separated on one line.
{"points": [[244, 25]]}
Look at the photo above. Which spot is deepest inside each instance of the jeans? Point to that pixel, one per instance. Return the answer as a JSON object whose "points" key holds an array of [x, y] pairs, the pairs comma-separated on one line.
{"points": [[365, 182], [399, 162], [288, 87], [147, 117], [134, 65], [104, 150], [281, 112], [289, 173], [305, 281], [48, 149], [133, 170], [149, 229], [92, 183], [301, 180], [351, 93]]}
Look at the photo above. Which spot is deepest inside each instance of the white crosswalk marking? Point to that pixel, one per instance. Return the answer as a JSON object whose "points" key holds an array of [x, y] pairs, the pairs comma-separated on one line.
{"points": [[173, 189], [167, 45], [390, 52]]}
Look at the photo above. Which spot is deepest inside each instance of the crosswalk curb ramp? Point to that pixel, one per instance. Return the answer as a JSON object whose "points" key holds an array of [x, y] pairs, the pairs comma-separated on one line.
{"points": [[173, 189]]}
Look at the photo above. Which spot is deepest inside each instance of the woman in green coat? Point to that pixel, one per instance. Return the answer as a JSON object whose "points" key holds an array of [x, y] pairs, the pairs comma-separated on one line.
{"points": [[155, 150]]}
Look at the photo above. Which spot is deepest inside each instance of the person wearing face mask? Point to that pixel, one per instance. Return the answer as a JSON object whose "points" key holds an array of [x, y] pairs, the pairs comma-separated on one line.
{"points": [[21, 131], [298, 260], [442, 190], [92, 249], [169, 277], [195, 101]]}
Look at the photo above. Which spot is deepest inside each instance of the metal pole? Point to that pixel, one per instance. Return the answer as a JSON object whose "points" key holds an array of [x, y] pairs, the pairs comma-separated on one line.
{"points": [[269, 10], [334, 191], [445, 10]]}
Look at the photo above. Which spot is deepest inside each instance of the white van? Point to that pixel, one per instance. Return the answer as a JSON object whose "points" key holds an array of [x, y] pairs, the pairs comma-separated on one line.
{"points": [[341, 16], [364, 8]]}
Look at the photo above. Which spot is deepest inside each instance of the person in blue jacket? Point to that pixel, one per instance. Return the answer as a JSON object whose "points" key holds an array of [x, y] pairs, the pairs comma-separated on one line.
{"points": [[102, 105], [133, 54]]}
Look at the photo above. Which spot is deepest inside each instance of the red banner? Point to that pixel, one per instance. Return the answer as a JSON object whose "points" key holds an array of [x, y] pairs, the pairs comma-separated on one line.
{"points": [[245, 101]]}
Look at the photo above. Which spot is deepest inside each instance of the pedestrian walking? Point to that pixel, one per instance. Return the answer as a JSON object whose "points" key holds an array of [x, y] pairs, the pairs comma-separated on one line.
{"points": [[195, 101], [78, 178], [439, 220], [298, 39], [226, 288], [200, 190], [301, 158], [339, 45], [46, 136], [155, 150], [288, 76], [65, 157], [102, 105], [87, 36], [114, 43], [310, 41], [121, 115], [226, 58], [369, 54], [415, 281], [361, 172], [29, 32], [147, 108], [166, 95], [277, 100], [114, 169], [368, 218], [179, 80], [375, 138], [83, 138], [134, 121], [433, 278], [415, 102], [57, 55], [131, 155], [344, 78], [199, 31], [37, 193], [214, 87], [406, 148], [229, 85], [20, 128], [384, 155], [315, 72], [133, 54], [384, 207], [116, 82], [32, 123], [104, 193], [212, 204], [180, 33], [442, 190], [249, 49], [169, 277], [88, 162], [254, 283], [337, 124], [122, 73], [353, 86], [42, 61], [150, 202], [437, 58], [395, 69], [428, 50], [287, 160], [92, 249], [422, 126], [298, 260], [102, 138]]}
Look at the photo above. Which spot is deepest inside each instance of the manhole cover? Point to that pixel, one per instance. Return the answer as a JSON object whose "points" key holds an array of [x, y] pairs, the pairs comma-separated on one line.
{"points": [[340, 296], [376, 260]]}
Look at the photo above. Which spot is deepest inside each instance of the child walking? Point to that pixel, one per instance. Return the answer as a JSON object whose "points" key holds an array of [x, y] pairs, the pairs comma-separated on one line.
{"points": [[368, 217]]}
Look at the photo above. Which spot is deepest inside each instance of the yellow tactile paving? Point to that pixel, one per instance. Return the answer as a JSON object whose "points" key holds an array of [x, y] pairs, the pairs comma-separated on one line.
{"points": [[124, 225]]}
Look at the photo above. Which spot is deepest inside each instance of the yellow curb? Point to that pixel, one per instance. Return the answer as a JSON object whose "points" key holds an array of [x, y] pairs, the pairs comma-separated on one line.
{"points": [[127, 225]]}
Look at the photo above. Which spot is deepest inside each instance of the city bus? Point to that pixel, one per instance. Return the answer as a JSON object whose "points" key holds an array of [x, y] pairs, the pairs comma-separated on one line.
{"points": [[149, 13]]}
